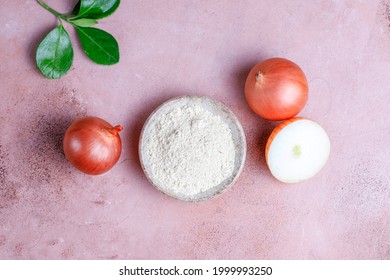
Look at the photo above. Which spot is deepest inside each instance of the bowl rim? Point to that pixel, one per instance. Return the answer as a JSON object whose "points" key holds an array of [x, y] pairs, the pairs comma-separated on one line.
{"points": [[229, 113]]}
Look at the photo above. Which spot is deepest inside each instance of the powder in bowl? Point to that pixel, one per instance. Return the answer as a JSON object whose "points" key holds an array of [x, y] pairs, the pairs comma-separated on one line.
{"points": [[189, 149]]}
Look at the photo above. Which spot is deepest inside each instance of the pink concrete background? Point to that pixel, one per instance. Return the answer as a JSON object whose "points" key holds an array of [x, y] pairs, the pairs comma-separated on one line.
{"points": [[48, 210]]}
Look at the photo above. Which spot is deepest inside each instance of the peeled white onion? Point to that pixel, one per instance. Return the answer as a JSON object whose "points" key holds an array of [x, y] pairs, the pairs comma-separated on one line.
{"points": [[297, 150]]}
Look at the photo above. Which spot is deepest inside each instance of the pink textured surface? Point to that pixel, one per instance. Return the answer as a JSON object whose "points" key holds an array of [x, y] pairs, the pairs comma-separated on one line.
{"points": [[48, 210]]}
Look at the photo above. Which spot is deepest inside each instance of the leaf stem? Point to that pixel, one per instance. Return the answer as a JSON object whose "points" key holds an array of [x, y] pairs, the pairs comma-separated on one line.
{"points": [[54, 12]]}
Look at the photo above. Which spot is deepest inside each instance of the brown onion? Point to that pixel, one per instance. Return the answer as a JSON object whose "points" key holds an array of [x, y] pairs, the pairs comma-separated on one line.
{"points": [[92, 145], [276, 89]]}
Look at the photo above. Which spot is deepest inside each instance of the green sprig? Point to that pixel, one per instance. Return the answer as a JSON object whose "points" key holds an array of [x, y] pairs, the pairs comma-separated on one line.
{"points": [[54, 55]]}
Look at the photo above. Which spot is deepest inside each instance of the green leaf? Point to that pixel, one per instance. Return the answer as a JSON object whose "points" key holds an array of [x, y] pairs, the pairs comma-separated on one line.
{"points": [[100, 46], [84, 22], [54, 54], [76, 9], [95, 9]]}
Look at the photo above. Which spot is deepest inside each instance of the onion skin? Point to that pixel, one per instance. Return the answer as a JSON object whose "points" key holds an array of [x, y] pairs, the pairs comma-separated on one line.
{"points": [[276, 89], [92, 145]]}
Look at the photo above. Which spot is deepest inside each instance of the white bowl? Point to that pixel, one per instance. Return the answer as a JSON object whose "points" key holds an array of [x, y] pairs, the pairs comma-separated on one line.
{"points": [[215, 108]]}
